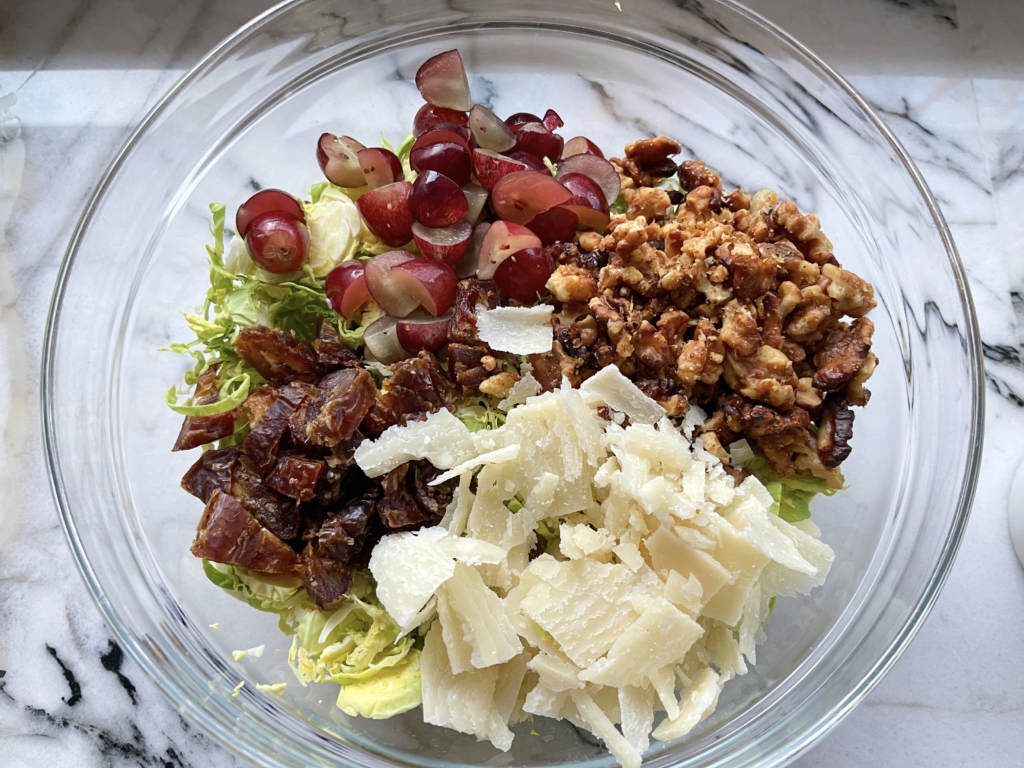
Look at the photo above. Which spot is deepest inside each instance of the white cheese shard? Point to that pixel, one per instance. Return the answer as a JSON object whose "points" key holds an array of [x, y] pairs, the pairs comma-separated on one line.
{"points": [[636, 705], [609, 387], [521, 391], [408, 568], [481, 619], [464, 702], [508, 453], [440, 438], [555, 673], [698, 702], [518, 330], [670, 553], [599, 724], [661, 636]]}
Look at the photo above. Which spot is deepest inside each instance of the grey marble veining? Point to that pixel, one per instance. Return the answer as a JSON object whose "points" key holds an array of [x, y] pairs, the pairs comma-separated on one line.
{"points": [[947, 78]]}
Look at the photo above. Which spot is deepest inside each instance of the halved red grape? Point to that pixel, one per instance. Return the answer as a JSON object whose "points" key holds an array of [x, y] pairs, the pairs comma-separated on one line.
{"points": [[442, 81], [437, 135], [388, 287], [502, 240], [584, 191], [590, 218], [380, 166], [524, 275], [447, 244], [599, 170], [552, 121], [381, 339], [532, 162], [519, 119], [581, 145], [447, 157], [346, 288], [386, 212], [429, 115], [539, 141], [476, 196], [424, 333], [437, 201], [490, 130], [432, 283], [555, 226], [520, 196], [490, 166], [459, 130], [466, 267], [338, 158], [264, 201], [277, 241]]}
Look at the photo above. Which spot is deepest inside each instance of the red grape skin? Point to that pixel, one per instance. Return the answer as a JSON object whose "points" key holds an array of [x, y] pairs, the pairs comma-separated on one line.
{"points": [[519, 119], [447, 158], [264, 201], [524, 275], [429, 116], [532, 162], [346, 288], [278, 242], [436, 201], [585, 191], [386, 212]]}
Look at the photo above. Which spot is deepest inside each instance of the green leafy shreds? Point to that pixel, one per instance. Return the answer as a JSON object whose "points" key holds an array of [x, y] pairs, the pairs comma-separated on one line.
{"points": [[351, 331], [479, 414], [283, 595], [514, 504], [792, 494], [357, 647], [618, 207], [233, 393], [403, 152]]}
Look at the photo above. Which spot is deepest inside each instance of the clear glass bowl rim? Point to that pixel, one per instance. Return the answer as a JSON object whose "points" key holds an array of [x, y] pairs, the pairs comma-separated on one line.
{"points": [[828, 719]]}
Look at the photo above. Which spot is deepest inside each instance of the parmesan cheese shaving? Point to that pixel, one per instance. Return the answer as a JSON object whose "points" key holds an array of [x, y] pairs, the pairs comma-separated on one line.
{"points": [[518, 330], [650, 595]]}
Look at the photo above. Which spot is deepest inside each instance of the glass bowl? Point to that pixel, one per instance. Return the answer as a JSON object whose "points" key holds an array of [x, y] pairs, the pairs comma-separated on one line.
{"points": [[737, 93]]}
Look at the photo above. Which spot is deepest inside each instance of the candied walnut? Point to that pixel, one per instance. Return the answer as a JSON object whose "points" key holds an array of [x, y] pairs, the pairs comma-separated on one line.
{"points": [[345, 398], [693, 174], [295, 477], [200, 430], [418, 387], [856, 394], [853, 295], [327, 581], [331, 351], [619, 321], [433, 499], [666, 393], [706, 333], [789, 298], [767, 376], [278, 356], [807, 322], [690, 363], [763, 202], [499, 385], [753, 273], [739, 329], [471, 294], [653, 348], [228, 533], [804, 231], [572, 284], [702, 199], [842, 354], [649, 202], [650, 154], [807, 395], [795, 450], [274, 512], [212, 472], [771, 321], [737, 201], [835, 432], [790, 263], [672, 325], [466, 367], [550, 367], [263, 440], [398, 507], [713, 446], [758, 420]]}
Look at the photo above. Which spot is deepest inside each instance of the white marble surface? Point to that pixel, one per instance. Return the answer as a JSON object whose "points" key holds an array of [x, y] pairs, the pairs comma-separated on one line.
{"points": [[947, 75]]}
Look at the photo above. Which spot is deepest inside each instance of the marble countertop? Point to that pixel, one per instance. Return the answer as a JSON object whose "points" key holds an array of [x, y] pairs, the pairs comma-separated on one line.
{"points": [[947, 76]]}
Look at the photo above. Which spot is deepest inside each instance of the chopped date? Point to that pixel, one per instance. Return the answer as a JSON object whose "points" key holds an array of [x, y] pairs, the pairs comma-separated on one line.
{"points": [[212, 472], [274, 511], [433, 500], [229, 534], [331, 351], [398, 507], [200, 430], [278, 356], [295, 477], [258, 401], [345, 398], [262, 442], [466, 368], [327, 581], [417, 387], [469, 296], [342, 534]]}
